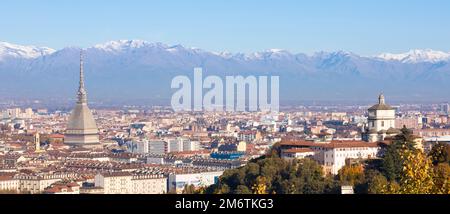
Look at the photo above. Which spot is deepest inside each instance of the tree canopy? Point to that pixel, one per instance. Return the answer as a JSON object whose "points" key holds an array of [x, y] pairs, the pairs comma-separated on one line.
{"points": [[275, 175], [402, 170]]}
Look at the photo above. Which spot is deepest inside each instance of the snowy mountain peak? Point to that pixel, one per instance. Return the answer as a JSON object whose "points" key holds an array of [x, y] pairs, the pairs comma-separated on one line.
{"points": [[417, 55], [20, 51], [270, 53], [120, 45], [277, 50]]}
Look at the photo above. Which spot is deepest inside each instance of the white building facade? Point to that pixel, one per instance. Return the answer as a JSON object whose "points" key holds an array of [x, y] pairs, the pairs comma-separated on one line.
{"points": [[35, 184], [9, 183], [331, 155], [127, 183], [177, 182]]}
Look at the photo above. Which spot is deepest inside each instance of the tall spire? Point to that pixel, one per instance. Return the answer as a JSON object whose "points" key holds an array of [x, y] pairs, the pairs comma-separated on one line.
{"points": [[82, 98], [81, 127]]}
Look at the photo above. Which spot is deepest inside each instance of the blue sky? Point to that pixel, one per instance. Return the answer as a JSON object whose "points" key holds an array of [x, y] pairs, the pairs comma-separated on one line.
{"points": [[364, 27]]}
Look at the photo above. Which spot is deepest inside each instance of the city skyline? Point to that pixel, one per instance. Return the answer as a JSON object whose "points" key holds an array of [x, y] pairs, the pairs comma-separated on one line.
{"points": [[209, 105]]}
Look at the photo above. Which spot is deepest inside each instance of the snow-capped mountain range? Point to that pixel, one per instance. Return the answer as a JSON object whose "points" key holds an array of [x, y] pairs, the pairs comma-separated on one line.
{"points": [[20, 51], [140, 69], [415, 56], [121, 46]]}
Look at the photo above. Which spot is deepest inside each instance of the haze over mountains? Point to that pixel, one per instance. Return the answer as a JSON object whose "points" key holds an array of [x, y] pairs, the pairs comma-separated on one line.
{"points": [[139, 70]]}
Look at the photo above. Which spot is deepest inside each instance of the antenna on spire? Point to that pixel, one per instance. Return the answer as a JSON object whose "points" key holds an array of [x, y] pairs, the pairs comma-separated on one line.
{"points": [[81, 91], [81, 70]]}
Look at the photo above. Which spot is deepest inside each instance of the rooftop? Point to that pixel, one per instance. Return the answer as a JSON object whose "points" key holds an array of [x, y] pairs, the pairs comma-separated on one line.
{"points": [[332, 144], [381, 104]]}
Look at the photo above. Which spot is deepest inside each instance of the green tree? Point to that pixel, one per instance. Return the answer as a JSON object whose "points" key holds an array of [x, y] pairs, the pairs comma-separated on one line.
{"points": [[275, 151], [275, 175], [310, 177], [392, 164], [223, 189], [241, 189], [377, 184]]}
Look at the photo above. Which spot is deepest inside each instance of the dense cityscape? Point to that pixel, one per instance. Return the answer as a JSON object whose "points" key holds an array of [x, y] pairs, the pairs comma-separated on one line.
{"points": [[156, 150], [217, 105]]}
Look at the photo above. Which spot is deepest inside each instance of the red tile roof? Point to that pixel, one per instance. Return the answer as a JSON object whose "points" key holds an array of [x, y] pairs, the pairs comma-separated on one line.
{"points": [[56, 136], [298, 150], [332, 144]]}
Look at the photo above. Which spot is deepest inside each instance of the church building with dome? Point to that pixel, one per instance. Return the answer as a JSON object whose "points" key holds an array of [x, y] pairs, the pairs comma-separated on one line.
{"points": [[381, 122]]}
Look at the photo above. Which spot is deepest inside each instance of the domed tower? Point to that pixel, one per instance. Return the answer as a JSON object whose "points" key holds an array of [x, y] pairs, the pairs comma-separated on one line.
{"points": [[381, 119], [81, 127]]}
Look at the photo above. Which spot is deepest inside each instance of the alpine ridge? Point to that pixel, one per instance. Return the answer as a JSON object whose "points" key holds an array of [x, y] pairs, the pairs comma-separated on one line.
{"points": [[137, 69]]}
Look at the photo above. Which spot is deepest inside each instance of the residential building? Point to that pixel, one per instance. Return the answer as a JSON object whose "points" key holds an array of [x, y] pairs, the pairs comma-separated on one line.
{"points": [[129, 183]]}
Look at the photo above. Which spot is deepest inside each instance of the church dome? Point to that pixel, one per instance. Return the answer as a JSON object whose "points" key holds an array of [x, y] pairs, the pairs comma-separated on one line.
{"points": [[381, 104]]}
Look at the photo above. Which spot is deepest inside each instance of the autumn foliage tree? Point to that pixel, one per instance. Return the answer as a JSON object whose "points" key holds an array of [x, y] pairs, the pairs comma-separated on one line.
{"points": [[417, 174], [402, 170], [260, 186], [189, 189], [442, 178], [351, 174], [407, 170], [440, 153], [275, 176]]}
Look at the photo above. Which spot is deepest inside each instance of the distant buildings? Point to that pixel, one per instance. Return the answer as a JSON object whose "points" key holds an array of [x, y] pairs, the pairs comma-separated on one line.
{"points": [[189, 145], [445, 108], [158, 147], [129, 183], [154, 151], [180, 144], [178, 181], [297, 153], [248, 135], [9, 183], [166, 146], [14, 113], [36, 183], [63, 188], [432, 136], [408, 122], [331, 155]]}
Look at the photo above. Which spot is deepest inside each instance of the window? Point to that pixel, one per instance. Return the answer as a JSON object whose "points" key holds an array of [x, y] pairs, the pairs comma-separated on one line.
{"points": [[382, 123]]}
